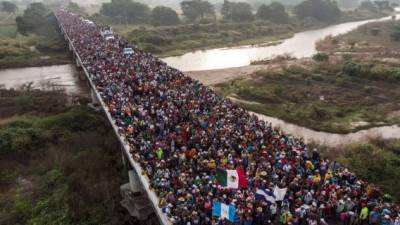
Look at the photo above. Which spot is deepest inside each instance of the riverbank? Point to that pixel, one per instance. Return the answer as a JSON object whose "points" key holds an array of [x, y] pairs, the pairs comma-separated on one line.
{"points": [[177, 40], [57, 77], [40, 61], [19, 51], [53, 168], [43, 48], [180, 39], [379, 40], [318, 96]]}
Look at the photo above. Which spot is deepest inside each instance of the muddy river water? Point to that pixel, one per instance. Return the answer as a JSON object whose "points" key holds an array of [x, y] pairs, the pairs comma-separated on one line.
{"points": [[47, 77], [302, 44]]}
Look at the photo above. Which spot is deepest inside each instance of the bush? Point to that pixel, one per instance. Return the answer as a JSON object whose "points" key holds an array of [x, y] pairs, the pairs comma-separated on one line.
{"points": [[378, 162], [320, 57], [293, 69], [23, 138], [151, 48], [395, 35], [319, 113], [155, 39], [351, 68]]}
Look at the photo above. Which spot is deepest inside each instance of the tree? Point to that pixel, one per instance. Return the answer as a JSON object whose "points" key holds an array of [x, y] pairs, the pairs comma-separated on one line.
{"points": [[324, 10], [275, 12], [241, 11], [237, 11], [348, 4], [369, 6], [34, 17], [126, 11], [162, 15], [225, 8], [8, 7], [195, 9], [74, 7]]}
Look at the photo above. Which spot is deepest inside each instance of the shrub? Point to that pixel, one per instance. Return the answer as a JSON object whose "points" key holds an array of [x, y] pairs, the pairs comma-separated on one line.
{"points": [[151, 48], [22, 137], [377, 162], [319, 113], [395, 35], [320, 57], [351, 68], [293, 69]]}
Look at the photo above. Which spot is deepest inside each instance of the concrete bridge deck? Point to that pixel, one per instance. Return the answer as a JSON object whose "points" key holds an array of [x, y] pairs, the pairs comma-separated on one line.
{"points": [[138, 182]]}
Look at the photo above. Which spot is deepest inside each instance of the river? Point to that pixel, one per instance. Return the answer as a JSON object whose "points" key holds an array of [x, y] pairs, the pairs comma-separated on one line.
{"points": [[331, 139], [302, 44], [64, 77]]}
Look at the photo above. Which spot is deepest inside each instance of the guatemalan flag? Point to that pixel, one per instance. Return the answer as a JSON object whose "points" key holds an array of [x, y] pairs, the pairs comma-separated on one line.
{"points": [[224, 211], [266, 196], [232, 178]]}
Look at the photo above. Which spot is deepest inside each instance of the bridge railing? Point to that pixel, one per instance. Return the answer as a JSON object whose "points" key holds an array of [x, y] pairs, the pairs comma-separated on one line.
{"points": [[143, 180]]}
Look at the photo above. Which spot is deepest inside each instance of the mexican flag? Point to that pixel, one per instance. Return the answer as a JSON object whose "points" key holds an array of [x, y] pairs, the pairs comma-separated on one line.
{"points": [[232, 178]]}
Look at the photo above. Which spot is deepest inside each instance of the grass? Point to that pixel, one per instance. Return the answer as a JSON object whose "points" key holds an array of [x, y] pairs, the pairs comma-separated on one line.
{"points": [[17, 50], [324, 99], [372, 37], [59, 167], [8, 31]]}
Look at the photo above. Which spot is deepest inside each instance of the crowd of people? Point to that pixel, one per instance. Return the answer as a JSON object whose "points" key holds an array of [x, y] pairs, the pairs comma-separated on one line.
{"points": [[181, 132]]}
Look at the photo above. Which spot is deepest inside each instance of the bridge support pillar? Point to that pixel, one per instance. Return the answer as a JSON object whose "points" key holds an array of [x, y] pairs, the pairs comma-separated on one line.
{"points": [[93, 95], [78, 64], [124, 161], [136, 202]]}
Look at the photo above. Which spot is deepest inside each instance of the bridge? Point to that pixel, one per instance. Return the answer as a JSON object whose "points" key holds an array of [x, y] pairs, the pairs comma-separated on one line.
{"points": [[138, 199], [186, 139]]}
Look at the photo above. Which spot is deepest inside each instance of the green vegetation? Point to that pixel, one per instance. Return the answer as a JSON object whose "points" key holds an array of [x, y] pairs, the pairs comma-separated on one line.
{"points": [[320, 57], [324, 10], [58, 167], [201, 27], [8, 31], [126, 11], [274, 12], [37, 41], [8, 7], [176, 40], [378, 38], [74, 7], [334, 97], [377, 162], [197, 9], [237, 11], [396, 34], [164, 16]]}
